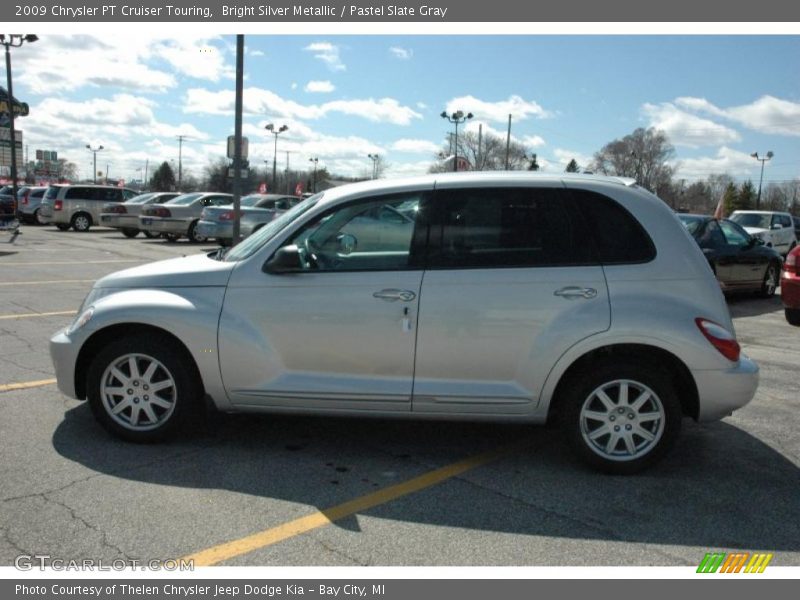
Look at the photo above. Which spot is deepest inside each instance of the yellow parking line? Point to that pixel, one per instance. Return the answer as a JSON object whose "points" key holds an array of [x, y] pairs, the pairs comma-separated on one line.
{"points": [[10, 283], [44, 314], [7, 387], [69, 262], [268, 537]]}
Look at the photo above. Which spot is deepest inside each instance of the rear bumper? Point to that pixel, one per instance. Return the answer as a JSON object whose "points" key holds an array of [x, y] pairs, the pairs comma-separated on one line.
{"points": [[790, 290], [212, 229], [725, 390], [160, 225], [119, 221]]}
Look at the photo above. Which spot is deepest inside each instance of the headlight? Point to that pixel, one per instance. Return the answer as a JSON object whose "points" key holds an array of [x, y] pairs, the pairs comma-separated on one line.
{"points": [[81, 320]]}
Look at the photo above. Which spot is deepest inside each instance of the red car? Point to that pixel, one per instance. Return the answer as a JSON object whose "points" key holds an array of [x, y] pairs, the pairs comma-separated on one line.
{"points": [[790, 286]]}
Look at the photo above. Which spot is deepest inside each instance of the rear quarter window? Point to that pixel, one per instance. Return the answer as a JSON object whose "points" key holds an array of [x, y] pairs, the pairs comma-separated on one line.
{"points": [[618, 237]]}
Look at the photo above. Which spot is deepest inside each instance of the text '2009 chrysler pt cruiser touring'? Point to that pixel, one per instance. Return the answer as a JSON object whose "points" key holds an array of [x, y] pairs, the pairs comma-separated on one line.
{"points": [[506, 297]]}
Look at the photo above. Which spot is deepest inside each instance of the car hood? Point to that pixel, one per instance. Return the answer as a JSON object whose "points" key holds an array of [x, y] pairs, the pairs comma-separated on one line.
{"points": [[198, 270], [755, 230]]}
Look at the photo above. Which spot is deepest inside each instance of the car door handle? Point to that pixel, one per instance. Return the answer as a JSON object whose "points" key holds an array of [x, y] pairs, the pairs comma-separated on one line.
{"points": [[576, 292], [392, 295]]}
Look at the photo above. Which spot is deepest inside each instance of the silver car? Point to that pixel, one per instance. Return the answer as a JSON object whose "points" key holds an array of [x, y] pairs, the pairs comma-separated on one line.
{"points": [[29, 202], [216, 222], [568, 298], [125, 215], [79, 206], [179, 217]]}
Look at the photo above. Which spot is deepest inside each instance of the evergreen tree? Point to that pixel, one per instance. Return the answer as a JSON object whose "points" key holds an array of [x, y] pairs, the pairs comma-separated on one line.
{"points": [[163, 180], [731, 198], [534, 165], [747, 196], [572, 167]]}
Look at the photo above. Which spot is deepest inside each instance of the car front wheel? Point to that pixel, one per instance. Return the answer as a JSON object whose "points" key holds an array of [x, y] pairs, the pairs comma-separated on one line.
{"points": [[141, 387], [792, 316], [770, 283], [621, 417]]}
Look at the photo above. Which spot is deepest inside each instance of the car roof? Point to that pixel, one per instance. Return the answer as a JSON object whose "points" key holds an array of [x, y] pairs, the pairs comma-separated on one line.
{"points": [[468, 178]]}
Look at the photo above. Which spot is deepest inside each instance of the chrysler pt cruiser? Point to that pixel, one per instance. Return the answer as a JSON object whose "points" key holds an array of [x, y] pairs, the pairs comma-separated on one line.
{"points": [[507, 297]]}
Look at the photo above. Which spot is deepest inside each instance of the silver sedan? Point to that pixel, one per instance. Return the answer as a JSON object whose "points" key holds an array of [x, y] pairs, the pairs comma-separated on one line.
{"points": [[216, 222], [179, 216], [125, 215]]}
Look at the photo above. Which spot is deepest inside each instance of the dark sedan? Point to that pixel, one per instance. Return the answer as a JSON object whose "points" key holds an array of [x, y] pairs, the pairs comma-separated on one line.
{"points": [[739, 260]]}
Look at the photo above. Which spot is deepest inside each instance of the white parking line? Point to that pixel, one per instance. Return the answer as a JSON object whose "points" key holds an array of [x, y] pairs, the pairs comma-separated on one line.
{"points": [[44, 314], [69, 262], [12, 283]]}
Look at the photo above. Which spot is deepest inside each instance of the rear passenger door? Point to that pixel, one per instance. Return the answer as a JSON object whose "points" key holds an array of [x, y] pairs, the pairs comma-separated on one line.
{"points": [[512, 282]]}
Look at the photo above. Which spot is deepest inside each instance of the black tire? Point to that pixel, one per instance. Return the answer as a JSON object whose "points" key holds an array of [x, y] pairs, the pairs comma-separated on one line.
{"points": [[224, 242], [171, 237], [175, 368], [36, 217], [193, 237], [772, 277], [129, 232], [150, 235], [792, 316], [660, 415], [63, 227], [81, 221]]}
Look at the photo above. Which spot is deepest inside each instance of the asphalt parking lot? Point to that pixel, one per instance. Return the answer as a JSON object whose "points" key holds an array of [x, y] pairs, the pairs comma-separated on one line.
{"points": [[244, 490]]}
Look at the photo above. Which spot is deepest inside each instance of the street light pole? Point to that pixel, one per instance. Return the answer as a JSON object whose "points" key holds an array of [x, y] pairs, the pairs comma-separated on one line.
{"points": [[315, 160], [769, 156], [94, 151], [15, 41], [276, 132], [180, 139], [374, 158], [456, 118]]}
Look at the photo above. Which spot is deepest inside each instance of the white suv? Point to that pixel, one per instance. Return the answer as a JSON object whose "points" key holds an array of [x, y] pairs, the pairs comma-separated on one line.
{"points": [[775, 229], [507, 297]]}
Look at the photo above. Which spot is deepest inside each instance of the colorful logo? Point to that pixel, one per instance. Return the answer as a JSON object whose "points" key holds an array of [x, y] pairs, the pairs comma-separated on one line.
{"points": [[736, 562]]}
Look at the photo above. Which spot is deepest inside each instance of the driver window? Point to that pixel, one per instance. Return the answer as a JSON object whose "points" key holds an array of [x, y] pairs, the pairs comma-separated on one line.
{"points": [[733, 235], [369, 235]]}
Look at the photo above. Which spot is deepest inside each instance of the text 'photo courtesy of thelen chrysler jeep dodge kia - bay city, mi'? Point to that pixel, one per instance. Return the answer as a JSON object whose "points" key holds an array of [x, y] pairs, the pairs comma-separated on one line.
{"points": [[508, 297]]}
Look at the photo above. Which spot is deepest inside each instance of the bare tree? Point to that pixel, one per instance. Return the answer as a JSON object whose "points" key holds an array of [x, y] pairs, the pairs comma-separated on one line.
{"points": [[485, 153], [643, 155]]}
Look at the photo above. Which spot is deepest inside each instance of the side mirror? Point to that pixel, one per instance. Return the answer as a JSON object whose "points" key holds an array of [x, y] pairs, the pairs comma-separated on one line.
{"points": [[776, 226], [347, 243], [285, 260]]}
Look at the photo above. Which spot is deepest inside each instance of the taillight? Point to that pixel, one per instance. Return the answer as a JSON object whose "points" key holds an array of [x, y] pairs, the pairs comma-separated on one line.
{"points": [[163, 212], [722, 339], [25, 198], [790, 266], [58, 205], [118, 209], [226, 216]]}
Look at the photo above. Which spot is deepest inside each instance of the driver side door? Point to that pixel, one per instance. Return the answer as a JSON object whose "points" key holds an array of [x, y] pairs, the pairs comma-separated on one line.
{"points": [[339, 331]]}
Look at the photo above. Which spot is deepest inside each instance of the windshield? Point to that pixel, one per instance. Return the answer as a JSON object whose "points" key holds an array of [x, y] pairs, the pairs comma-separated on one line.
{"points": [[760, 220], [691, 223], [140, 199], [250, 245], [184, 200]]}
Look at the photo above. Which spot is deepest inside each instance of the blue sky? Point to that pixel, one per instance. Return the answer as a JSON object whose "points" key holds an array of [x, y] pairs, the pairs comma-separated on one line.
{"points": [[719, 98]]}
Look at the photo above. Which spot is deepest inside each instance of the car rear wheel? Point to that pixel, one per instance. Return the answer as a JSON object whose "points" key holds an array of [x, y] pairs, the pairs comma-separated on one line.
{"points": [[149, 235], [37, 219], [141, 388], [621, 417], [81, 222], [193, 236], [129, 232], [792, 316], [770, 283], [171, 237]]}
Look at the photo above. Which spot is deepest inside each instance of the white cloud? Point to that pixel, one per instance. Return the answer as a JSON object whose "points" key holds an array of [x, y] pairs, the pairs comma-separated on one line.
{"points": [[519, 108], [533, 141], [564, 156], [320, 87], [767, 114], [415, 146], [327, 53], [685, 129], [257, 53], [407, 169], [401, 53], [258, 101], [727, 160], [529, 141], [422, 106]]}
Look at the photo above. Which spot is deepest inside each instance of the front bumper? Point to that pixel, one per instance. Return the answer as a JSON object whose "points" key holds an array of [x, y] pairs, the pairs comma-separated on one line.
{"points": [[64, 352], [725, 390]]}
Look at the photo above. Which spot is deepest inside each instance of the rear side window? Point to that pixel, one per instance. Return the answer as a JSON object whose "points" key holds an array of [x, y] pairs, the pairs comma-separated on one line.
{"points": [[80, 193], [619, 238], [506, 227]]}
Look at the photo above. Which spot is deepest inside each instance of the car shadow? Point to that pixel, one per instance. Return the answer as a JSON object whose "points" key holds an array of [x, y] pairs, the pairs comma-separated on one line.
{"points": [[719, 488], [749, 305]]}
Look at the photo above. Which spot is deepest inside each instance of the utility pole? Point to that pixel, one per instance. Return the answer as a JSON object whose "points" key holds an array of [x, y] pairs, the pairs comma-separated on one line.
{"points": [[237, 141], [180, 139]]}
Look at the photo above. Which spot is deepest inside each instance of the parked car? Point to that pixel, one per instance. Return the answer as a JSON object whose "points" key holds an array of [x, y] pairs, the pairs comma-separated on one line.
{"points": [[29, 202], [739, 260], [8, 210], [796, 222], [79, 206], [790, 287], [775, 229], [179, 217], [569, 298], [125, 215], [216, 222]]}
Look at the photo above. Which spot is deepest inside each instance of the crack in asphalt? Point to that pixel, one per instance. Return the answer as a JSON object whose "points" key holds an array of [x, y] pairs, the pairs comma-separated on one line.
{"points": [[337, 552], [74, 515]]}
